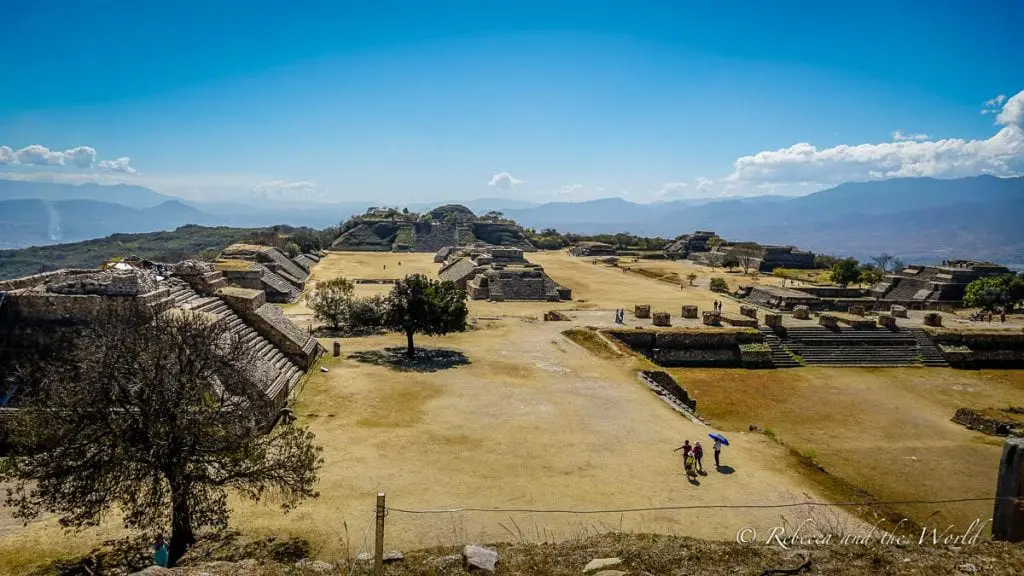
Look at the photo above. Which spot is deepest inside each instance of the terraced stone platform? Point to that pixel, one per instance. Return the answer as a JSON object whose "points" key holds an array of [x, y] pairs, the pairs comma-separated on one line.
{"points": [[818, 345]]}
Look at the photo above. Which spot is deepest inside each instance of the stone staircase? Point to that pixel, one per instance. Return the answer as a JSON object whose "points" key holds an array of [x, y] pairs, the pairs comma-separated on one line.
{"points": [[281, 373], [780, 357], [848, 347], [929, 352]]}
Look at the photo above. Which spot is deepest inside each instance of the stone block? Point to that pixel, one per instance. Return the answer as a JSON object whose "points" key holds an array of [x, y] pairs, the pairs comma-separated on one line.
{"points": [[933, 319], [689, 311], [857, 310], [828, 321], [480, 557], [898, 311], [337, 348], [1008, 515], [642, 310], [801, 312], [662, 319], [887, 321], [712, 318], [773, 320], [748, 311]]}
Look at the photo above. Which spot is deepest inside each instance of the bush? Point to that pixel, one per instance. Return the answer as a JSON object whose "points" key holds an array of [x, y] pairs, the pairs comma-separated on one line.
{"points": [[846, 272], [366, 315], [330, 301], [718, 284]]}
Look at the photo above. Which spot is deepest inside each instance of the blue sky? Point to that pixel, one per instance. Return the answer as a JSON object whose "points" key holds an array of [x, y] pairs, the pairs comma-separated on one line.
{"points": [[418, 101]]}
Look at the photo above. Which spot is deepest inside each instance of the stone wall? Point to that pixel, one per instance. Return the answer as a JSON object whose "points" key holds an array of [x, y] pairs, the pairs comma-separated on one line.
{"points": [[665, 382], [272, 324]]}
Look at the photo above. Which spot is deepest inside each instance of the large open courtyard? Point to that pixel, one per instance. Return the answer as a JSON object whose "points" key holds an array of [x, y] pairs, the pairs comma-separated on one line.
{"points": [[522, 417]]}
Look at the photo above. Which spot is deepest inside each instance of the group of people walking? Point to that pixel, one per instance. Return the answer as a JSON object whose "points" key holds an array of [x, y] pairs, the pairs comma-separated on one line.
{"points": [[693, 457], [718, 306], [620, 316]]}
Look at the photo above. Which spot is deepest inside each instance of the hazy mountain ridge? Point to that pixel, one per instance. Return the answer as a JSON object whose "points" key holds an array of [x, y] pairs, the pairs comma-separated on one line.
{"points": [[918, 218]]}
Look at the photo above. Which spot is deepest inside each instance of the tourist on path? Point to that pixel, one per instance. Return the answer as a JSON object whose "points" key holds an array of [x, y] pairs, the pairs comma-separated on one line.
{"points": [[160, 552], [686, 448], [718, 452], [698, 453]]}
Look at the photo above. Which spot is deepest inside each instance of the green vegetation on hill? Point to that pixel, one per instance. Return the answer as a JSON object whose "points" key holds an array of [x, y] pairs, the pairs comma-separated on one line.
{"points": [[181, 244]]}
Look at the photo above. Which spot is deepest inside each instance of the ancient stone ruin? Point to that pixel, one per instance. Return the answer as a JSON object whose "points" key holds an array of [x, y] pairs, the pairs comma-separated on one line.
{"points": [[706, 247], [689, 311], [642, 310], [499, 273], [748, 311], [711, 318], [592, 249], [772, 320], [662, 319], [267, 269], [59, 300], [801, 312], [932, 287], [933, 319]]}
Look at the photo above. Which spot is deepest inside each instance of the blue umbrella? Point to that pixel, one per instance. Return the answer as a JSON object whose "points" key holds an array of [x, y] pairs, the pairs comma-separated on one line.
{"points": [[719, 437]]}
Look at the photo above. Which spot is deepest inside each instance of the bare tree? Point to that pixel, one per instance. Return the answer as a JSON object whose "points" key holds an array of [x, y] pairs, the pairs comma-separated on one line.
{"points": [[888, 263], [747, 262], [157, 417]]}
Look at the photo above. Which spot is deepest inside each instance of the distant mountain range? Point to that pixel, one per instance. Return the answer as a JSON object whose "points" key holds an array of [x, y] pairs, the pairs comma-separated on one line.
{"points": [[919, 219]]}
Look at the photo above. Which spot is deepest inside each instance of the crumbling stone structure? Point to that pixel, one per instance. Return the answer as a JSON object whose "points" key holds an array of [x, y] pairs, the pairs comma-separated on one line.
{"points": [[662, 319], [711, 318], [828, 321], [65, 298], [748, 311], [933, 319], [887, 321], [801, 312], [689, 311], [686, 244], [642, 310], [592, 249], [932, 287], [266, 268], [773, 320], [499, 273]]}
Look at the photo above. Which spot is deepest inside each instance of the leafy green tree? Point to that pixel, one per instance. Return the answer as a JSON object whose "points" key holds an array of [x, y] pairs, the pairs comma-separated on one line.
{"points": [[825, 262], [307, 240], [993, 292], [871, 274], [157, 418], [718, 284], [691, 277], [419, 305], [291, 249], [366, 315], [846, 272], [330, 301]]}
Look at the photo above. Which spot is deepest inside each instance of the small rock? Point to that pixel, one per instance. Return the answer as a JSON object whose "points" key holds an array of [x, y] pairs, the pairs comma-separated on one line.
{"points": [[610, 573], [482, 557], [318, 566], [393, 556], [323, 368], [364, 557], [600, 564], [967, 568]]}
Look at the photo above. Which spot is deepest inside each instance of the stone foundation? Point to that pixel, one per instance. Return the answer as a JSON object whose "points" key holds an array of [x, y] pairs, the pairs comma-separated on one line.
{"points": [[801, 312], [689, 311], [554, 316], [933, 319], [712, 318], [662, 319], [642, 310], [773, 320], [748, 311], [857, 310], [828, 321], [887, 321], [739, 321], [898, 311]]}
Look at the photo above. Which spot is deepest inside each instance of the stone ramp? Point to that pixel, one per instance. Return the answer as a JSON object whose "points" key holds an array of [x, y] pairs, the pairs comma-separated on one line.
{"points": [[930, 353], [822, 346], [780, 357]]}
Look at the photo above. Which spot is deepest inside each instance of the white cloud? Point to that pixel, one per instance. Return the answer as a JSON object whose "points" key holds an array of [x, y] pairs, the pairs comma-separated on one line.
{"points": [[996, 102], [119, 165], [283, 190], [1002, 155], [1013, 111], [899, 136], [7, 156], [36, 155], [81, 156], [571, 189], [703, 183], [504, 180]]}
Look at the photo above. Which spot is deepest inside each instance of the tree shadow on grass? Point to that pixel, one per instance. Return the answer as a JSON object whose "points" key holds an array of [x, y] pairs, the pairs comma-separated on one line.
{"points": [[426, 360]]}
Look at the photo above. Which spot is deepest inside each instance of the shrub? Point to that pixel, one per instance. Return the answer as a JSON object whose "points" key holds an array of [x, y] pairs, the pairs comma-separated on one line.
{"points": [[330, 301], [366, 315], [718, 284]]}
